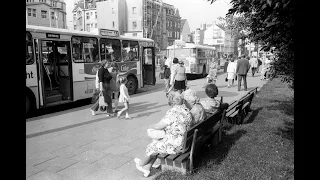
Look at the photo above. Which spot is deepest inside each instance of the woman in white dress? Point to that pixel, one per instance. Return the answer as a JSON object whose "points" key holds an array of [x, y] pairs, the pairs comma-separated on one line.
{"points": [[231, 72]]}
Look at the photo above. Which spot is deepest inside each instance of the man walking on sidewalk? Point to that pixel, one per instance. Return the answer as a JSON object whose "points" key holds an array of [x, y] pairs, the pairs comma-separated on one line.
{"points": [[243, 67], [254, 64]]}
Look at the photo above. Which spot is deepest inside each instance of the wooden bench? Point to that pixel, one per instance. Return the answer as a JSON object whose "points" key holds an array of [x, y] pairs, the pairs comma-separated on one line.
{"points": [[208, 130], [237, 110]]}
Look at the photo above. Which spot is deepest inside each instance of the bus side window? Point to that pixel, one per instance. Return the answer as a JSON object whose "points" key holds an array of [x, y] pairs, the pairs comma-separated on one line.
{"points": [[85, 49], [111, 49], [29, 49], [130, 50]]}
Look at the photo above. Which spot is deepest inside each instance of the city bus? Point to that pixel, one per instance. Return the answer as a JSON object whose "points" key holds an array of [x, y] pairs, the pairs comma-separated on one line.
{"points": [[61, 64], [196, 58]]}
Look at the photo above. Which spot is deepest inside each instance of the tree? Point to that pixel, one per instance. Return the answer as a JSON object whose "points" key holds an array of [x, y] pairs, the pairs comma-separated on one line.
{"points": [[271, 23], [238, 27]]}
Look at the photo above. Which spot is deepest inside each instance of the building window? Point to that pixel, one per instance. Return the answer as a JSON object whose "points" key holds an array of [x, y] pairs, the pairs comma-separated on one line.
{"points": [[34, 12], [134, 34], [88, 27], [92, 25], [74, 27], [29, 12], [96, 15], [134, 10], [134, 24], [52, 15], [95, 25], [87, 14], [112, 10], [112, 23], [44, 14], [91, 13]]}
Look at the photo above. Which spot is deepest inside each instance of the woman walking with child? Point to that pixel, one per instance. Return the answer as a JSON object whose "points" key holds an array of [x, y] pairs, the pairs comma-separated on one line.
{"points": [[124, 97]]}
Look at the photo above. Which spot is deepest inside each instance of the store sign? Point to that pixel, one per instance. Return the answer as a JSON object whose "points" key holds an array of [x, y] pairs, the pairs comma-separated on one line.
{"points": [[108, 32]]}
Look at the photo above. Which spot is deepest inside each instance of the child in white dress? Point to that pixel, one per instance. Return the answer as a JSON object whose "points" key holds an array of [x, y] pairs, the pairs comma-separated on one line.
{"points": [[124, 97]]}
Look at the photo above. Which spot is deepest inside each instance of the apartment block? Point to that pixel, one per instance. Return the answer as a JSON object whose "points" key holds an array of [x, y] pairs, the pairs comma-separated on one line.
{"points": [[49, 13]]}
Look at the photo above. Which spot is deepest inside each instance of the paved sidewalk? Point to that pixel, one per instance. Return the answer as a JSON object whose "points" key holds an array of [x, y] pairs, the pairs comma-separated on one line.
{"points": [[73, 144]]}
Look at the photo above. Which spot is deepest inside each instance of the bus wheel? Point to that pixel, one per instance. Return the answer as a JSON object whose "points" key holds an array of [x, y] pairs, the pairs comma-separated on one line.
{"points": [[29, 105], [204, 71], [132, 85]]}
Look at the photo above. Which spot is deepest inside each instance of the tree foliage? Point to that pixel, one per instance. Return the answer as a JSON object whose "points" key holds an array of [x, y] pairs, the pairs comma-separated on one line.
{"points": [[269, 22]]}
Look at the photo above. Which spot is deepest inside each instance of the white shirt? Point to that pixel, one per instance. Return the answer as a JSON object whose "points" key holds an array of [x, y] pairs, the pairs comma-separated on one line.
{"points": [[253, 62], [232, 67]]}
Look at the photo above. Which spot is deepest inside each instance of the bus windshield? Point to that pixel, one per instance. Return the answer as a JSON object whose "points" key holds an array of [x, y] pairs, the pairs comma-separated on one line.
{"points": [[181, 53]]}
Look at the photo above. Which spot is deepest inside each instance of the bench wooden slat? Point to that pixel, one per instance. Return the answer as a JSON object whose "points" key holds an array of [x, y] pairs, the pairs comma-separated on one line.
{"points": [[182, 157]]}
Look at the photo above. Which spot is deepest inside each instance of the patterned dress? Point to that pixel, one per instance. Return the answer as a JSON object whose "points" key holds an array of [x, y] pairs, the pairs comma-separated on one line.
{"points": [[178, 120], [199, 114], [212, 75], [192, 101], [210, 105]]}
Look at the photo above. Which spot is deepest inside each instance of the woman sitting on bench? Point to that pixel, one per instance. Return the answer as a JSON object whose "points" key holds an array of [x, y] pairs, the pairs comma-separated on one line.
{"points": [[192, 101], [211, 105], [175, 123]]}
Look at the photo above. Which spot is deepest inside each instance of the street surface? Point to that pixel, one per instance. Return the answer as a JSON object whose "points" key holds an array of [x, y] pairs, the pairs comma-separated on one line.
{"points": [[73, 144]]}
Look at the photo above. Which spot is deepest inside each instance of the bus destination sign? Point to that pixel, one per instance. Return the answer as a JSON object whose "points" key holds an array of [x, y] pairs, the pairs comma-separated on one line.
{"points": [[108, 32], [55, 36]]}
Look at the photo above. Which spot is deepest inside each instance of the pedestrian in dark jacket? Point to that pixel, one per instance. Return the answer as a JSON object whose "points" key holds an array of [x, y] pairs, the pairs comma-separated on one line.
{"points": [[104, 82], [167, 74], [243, 67]]}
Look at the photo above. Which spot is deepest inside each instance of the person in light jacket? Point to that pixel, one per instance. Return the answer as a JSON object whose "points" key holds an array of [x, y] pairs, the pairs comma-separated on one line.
{"points": [[254, 65], [231, 72]]}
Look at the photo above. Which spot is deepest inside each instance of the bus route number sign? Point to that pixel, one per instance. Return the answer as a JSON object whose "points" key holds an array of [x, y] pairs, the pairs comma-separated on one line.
{"points": [[107, 32]]}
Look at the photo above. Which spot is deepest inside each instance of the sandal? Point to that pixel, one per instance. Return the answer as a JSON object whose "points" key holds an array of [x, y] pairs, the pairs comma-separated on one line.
{"points": [[118, 115]]}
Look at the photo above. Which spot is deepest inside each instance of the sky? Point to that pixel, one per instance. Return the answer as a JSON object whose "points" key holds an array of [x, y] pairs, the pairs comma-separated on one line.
{"points": [[195, 11], [200, 11]]}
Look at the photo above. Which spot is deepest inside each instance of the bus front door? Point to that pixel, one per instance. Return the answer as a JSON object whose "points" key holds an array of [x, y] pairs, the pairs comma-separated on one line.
{"points": [[56, 71], [148, 66]]}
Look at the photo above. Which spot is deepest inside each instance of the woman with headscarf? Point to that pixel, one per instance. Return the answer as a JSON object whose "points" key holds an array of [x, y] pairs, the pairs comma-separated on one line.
{"points": [[192, 101], [175, 123]]}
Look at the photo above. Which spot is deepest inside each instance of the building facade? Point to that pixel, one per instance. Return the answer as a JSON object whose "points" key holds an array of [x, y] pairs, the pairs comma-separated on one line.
{"points": [[85, 16], [49, 13], [112, 15], [185, 31]]}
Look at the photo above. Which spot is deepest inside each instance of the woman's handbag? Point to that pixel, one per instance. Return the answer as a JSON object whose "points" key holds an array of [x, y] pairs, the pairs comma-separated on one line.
{"points": [[236, 77], [226, 79], [102, 103], [95, 96]]}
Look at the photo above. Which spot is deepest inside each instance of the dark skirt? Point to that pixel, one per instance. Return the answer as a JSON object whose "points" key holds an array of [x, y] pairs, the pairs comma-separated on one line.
{"points": [[178, 85]]}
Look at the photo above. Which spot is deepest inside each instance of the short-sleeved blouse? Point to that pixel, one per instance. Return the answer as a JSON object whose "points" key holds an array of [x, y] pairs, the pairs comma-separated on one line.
{"points": [[210, 105]]}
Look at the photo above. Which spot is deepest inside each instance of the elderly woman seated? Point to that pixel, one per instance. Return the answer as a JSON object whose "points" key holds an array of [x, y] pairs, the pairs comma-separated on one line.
{"points": [[192, 101], [210, 104], [175, 123]]}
